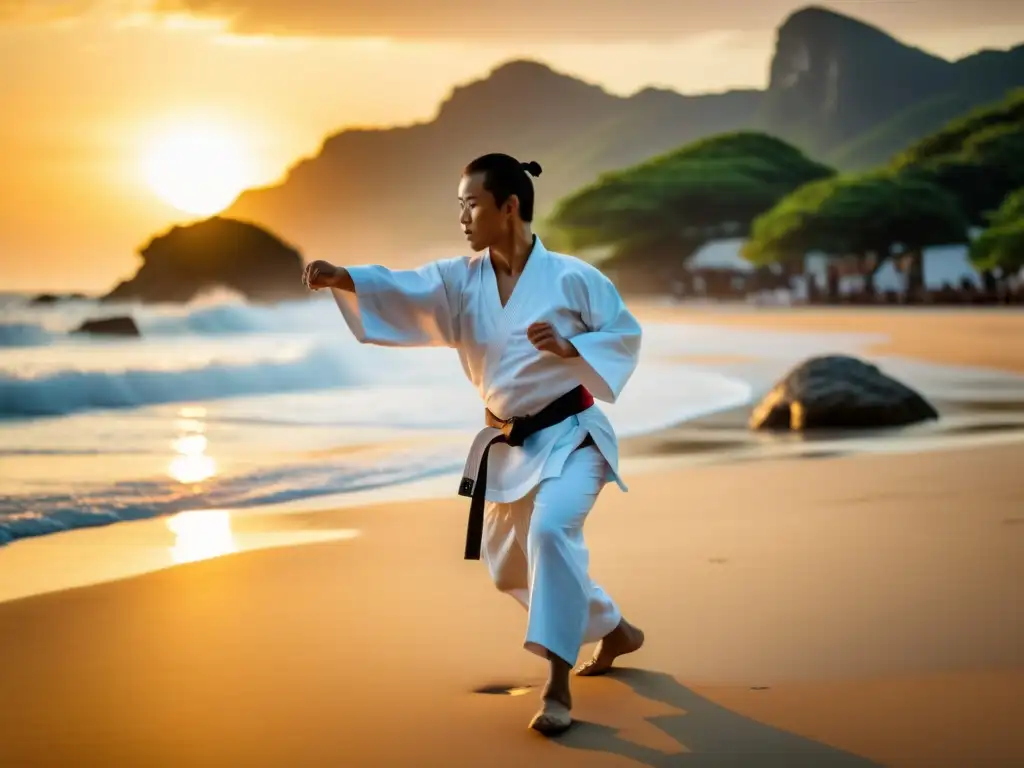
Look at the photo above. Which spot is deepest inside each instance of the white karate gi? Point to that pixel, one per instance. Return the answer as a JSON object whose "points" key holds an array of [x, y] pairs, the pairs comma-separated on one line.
{"points": [[538, 494]]}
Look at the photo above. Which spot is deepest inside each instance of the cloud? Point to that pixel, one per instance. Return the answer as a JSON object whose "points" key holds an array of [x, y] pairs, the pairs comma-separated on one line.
{"points": [[571, 20], [529, 21], [525, 20]]}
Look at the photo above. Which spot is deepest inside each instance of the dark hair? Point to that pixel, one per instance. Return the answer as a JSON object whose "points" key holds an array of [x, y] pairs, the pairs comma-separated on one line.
{"points": [[505, 176]]}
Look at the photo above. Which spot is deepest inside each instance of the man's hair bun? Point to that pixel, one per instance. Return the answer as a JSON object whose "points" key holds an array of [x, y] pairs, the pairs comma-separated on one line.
{"points": [[533, 168]]}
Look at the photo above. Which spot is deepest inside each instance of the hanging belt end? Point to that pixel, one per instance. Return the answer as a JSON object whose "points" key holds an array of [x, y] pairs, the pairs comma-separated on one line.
{"points": [[466, 487]]}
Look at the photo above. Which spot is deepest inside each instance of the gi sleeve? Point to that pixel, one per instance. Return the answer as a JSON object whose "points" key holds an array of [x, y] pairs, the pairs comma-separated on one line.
{"points": [[610, 348], [404, 308]]}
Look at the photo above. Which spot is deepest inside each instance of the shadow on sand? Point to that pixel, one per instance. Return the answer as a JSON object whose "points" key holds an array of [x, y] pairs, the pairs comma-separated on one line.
{"points": [[711, 735]]}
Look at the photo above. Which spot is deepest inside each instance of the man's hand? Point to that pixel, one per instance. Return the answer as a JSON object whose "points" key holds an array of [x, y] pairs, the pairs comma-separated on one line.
{"points": [[545, 338], [320, 274]]}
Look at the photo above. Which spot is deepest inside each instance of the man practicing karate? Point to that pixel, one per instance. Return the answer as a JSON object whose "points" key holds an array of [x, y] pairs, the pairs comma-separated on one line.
{"points": [[540, 334]]}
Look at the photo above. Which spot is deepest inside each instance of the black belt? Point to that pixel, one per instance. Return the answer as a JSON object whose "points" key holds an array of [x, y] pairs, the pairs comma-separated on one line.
{"points": [[514, 432]]}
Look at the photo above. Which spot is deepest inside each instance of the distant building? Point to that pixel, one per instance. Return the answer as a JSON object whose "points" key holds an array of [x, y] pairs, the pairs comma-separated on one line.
{"points": [[717, 270], [946, 266]]}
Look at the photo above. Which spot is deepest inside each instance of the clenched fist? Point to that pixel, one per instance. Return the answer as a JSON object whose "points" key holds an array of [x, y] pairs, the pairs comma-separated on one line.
{"points": [[320, 274], [545, 338]]}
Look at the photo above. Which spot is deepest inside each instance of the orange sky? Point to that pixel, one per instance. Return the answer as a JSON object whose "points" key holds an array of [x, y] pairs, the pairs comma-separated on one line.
{"points": [[87, 86]]}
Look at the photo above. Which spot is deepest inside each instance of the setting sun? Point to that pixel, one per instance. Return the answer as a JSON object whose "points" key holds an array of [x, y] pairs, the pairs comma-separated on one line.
{"points": [[198, 169]]}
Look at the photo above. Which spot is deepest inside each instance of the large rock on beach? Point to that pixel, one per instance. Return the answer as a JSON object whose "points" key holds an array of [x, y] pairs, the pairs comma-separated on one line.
{"points": [[839, 392]]}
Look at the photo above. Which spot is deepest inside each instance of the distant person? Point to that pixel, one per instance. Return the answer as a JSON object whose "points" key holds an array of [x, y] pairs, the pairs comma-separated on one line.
{"points": [[540, 334]]}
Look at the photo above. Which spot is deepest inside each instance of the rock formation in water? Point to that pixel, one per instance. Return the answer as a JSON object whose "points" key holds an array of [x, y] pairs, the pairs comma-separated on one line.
{"points": [[109, 326], [839, 392], [54, 298], [215, 253]]}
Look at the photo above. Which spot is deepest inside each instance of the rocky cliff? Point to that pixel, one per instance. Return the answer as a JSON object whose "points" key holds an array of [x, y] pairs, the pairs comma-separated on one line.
{"points": [[843, 91], [381, 194], [836, 81]]}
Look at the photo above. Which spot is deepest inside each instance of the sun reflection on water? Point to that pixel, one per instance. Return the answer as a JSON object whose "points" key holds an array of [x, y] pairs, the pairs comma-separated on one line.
{"points": [[192, 464], [201, 534]]}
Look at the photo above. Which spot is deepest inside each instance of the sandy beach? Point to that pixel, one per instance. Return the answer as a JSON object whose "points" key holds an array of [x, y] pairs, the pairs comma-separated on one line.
{"points": [[802, 608], [268, 271], [968, 336]]}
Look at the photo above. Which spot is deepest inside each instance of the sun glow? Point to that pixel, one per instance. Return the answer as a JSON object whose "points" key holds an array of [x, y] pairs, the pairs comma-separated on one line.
{"points": [[198, 168], [191, 465], [201, 534]]}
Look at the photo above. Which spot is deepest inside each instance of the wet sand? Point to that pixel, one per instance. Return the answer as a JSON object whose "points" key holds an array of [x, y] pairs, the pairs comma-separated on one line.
{"points": [[822, 612]]}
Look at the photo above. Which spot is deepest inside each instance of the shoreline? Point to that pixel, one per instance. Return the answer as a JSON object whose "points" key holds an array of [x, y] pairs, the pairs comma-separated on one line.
{"points": [[977, 408], [126, 550]]}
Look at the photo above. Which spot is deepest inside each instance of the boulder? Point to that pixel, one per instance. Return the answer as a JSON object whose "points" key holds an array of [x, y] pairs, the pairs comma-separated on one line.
{"points": [[110, 326], [839, 392]]}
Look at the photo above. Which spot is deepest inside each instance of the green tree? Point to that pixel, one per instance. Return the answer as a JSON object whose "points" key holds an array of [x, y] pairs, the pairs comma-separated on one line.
{"points": [[979, 158], [655, 214], [1001, 246], [954, 136], [865, 216]]}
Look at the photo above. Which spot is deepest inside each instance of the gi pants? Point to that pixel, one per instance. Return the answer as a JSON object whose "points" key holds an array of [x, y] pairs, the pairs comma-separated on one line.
{"points": [[535, 552]]}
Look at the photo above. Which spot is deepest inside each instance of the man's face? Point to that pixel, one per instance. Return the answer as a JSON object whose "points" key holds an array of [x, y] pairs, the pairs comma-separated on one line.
{"points": [[483, 222]]}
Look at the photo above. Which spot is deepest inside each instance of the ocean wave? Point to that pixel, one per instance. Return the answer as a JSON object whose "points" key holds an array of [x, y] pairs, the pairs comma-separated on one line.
{"points": [[263, 392], [25, 325], [313, 472], [24, 335], [342, 456], [29, 515], [56, 387], [238, 318], [112, 451]]}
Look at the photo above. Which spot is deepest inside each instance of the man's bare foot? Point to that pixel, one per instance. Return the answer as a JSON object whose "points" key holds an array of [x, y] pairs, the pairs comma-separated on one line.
{"points": [[554, 716], [624, 639]]}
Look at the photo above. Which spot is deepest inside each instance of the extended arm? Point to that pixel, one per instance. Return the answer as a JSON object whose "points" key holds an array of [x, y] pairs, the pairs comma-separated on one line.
{"points": [[395, 308]]}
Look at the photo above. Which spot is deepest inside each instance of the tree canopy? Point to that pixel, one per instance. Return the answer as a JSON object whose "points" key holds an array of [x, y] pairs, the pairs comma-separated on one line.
{"points": [[979, 158], [668, 206], [955, 135], [857, 215], [1002, 244]]}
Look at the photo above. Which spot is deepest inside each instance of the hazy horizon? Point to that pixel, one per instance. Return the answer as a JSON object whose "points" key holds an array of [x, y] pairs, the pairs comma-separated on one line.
{"points": [[104, 96]]}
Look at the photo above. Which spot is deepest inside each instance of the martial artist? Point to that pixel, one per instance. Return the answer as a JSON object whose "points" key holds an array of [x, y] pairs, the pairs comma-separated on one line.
{"points": [[541, 335]]}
